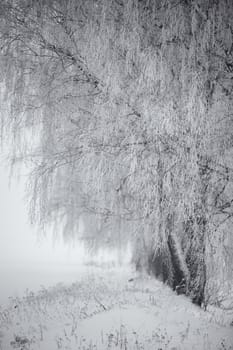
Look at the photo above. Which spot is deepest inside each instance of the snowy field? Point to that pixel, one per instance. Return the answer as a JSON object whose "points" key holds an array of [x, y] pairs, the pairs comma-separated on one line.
{"points": [[18, 277], [105, 309]]}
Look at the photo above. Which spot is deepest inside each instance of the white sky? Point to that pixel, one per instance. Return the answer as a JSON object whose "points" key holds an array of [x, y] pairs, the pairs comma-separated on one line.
{"points": [[19, 242]]}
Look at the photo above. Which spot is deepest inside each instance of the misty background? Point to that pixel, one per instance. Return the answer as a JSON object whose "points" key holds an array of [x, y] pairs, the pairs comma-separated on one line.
{"points": [[30, 258]]}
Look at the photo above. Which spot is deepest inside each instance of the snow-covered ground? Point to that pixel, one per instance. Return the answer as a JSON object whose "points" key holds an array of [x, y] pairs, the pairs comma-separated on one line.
{"points": [[104, 310]]}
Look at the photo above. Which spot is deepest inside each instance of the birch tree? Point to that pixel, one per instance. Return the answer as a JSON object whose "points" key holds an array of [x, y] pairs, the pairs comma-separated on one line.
{"points": [[130, 106]]}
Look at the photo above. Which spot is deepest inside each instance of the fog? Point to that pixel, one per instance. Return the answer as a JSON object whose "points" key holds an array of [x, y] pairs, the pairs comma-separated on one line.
{"points": [[17, 279], [30, 259]]}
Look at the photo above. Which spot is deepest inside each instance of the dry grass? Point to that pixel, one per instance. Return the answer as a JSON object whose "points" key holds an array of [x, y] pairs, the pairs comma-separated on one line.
{"points": [[82, 317]]}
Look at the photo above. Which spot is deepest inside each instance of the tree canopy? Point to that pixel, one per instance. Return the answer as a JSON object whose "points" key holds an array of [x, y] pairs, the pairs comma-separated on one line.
{"points": [[124, 111]]}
